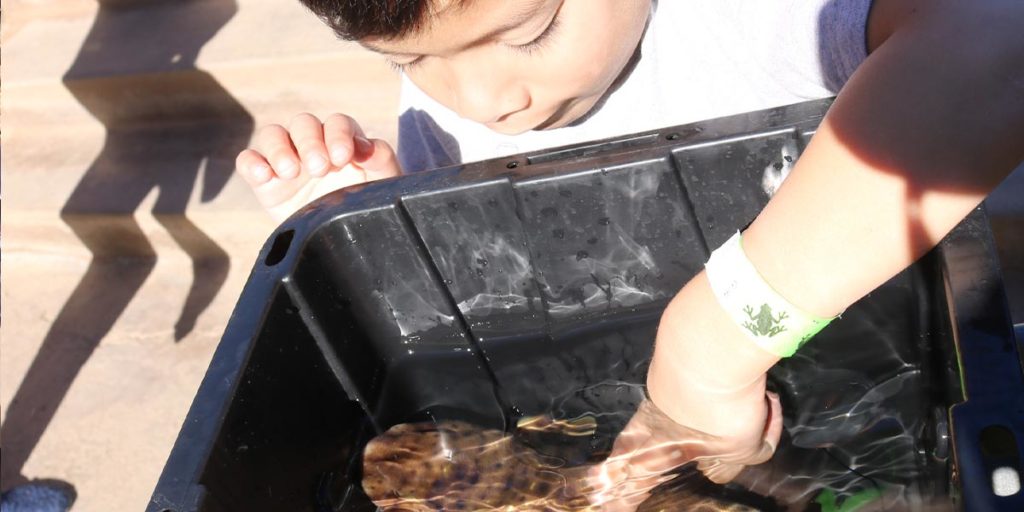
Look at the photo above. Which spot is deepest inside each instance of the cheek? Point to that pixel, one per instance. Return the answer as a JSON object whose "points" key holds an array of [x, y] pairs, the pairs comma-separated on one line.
{"points": [[598, 41], [582, 75], [436, 81], [619, 30]]}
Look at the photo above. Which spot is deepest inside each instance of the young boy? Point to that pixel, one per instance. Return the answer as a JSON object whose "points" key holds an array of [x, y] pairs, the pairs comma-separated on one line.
{"points": [[929, 118]]}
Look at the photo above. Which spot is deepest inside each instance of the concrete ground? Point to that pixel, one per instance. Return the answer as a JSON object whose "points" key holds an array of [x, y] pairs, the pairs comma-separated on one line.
{"points": [[112, 311], [126, 239]]}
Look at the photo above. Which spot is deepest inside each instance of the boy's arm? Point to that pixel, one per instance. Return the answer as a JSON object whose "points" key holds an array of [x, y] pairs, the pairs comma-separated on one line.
{"points": [[926, 127]]}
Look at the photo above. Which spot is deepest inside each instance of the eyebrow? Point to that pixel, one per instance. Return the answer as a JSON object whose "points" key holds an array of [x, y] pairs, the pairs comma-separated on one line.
{"points": [[526, 13]]}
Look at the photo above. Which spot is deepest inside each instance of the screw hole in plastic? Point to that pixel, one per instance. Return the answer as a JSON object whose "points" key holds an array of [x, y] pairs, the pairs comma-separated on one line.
{"points": [[280, 248], [672, 136], [997, 441], [512, 165]]}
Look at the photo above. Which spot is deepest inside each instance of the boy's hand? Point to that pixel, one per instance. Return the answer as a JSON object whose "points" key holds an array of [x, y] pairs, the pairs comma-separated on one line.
{"points": [[708, 404], [653, 444], [288, 168]]}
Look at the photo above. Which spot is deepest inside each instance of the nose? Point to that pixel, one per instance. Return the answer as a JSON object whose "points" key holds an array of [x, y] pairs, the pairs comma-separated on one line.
{"points": [[488, 94]]}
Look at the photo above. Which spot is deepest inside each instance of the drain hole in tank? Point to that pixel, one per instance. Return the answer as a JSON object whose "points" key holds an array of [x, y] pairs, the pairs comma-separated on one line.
{"points": [[280, 248]]}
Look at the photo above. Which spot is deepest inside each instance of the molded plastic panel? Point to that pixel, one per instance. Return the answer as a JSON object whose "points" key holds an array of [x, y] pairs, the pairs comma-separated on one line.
{"points": [[534, 284]]}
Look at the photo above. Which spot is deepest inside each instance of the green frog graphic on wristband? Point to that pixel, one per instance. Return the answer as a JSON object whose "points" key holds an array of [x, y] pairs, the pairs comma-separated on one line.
{"points": [[764, 323]]}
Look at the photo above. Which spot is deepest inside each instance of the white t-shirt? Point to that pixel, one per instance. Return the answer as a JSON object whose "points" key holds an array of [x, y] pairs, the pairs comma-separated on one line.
{"points": [[700, 59]]}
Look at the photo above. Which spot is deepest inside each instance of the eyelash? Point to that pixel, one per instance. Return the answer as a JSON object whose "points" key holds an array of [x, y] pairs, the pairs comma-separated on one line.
{"points": [[404, 67], [527, 48], [539, 41]]}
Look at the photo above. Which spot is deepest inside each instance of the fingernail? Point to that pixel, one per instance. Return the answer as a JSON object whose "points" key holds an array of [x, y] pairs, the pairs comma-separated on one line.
{"points": [[339, 154], [316, 162], [261, 172], [363, 146], [287, 168]]}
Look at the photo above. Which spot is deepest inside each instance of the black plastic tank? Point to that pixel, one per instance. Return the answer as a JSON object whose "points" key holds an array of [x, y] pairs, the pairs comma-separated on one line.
{"points": [[533, 284]]}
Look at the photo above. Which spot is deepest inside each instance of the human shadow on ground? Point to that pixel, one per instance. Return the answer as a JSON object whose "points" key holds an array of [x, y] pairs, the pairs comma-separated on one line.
{"points": [[168, 126]]}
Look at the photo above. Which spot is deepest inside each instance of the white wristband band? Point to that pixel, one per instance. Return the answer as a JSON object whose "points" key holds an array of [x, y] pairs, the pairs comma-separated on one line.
{"points": [[772, 322]]}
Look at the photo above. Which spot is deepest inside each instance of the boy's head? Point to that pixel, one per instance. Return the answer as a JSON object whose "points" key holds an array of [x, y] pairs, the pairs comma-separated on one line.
{"points": [[513, 65]]}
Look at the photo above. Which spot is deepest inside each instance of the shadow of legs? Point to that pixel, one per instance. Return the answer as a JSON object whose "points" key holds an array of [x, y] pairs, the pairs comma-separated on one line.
{"points": [[99, 299], [210, 265]]}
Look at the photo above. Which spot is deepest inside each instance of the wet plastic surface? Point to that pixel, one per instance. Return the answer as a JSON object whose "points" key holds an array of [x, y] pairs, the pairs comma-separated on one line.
{"points": [[533, 284]]}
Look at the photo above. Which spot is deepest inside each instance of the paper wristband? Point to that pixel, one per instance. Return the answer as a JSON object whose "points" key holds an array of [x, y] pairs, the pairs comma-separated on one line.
{"points": [[772, 322]]}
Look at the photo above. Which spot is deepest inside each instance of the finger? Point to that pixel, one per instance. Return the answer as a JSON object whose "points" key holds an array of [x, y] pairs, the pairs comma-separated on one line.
{"points": [[626, 499], [339, 131], [660, 458], [631, 439], [376, 157], [275, 144], [307, 135], [599, 479], [720, 472], [616, 490], [773, 431], [255, 169]]}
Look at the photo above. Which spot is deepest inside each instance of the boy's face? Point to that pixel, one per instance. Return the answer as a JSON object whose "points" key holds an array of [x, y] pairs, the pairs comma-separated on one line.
{"points": [[519, 65]]}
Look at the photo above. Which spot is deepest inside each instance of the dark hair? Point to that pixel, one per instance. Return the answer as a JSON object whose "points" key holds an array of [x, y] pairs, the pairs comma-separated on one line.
{"points": [[358, 19]]}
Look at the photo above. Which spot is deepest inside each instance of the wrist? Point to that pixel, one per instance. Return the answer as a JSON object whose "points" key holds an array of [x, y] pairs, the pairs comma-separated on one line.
{"points": [[793, 275], [698, 339], [701, 355], [725, 413]]}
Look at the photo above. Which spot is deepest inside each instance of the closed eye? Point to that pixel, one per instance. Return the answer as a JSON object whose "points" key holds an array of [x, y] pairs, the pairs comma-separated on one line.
{"points": [[405, 66], [539, 41]]}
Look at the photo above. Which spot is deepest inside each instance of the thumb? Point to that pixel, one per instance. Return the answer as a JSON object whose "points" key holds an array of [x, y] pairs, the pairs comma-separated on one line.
{"points": [[725, 469], [376, 158], [772, 432]]}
